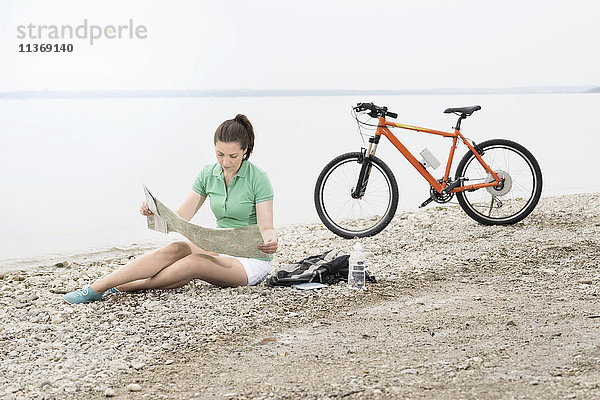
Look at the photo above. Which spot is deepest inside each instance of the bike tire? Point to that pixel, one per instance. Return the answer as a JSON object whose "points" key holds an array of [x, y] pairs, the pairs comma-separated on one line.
{"points": [[514, 202], [333, 196]]}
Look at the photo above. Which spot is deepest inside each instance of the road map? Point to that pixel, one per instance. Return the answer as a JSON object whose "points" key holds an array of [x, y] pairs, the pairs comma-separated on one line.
{"points": [[239, 242]]}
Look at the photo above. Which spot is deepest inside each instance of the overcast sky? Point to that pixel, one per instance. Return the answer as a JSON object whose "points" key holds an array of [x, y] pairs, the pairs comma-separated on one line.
{"points": [[308, 44]]}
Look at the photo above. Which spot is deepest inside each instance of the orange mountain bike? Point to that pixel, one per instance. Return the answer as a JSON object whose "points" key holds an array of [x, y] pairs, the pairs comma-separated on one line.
{"points": [[498, 182]]}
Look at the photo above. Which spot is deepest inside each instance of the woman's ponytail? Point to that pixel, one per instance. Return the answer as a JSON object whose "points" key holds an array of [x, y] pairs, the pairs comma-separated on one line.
{"points": [[238, 130]]}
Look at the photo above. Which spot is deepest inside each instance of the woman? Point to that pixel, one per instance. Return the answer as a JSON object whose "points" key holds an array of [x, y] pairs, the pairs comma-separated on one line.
{"points": [[240, 194]]}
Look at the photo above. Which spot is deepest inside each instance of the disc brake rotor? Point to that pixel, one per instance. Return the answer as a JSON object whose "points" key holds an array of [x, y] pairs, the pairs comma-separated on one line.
{"points": [[501, 189]]}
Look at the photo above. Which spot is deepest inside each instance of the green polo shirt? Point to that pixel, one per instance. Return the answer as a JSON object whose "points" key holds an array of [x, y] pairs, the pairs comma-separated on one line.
{"points": [[234, 206]]}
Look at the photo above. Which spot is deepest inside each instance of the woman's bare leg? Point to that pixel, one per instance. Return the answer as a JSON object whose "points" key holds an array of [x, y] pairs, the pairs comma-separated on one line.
{"points": [[142, 284], [175, 285], [144, 266], [220, 271]]}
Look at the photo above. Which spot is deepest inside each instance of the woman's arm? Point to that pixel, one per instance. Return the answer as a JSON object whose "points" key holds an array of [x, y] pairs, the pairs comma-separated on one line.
{"points": [[190, 205], [264, 218]]}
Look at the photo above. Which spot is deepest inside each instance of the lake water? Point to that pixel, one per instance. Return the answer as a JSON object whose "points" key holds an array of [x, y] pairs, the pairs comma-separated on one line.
{"points": [[71, 170]]}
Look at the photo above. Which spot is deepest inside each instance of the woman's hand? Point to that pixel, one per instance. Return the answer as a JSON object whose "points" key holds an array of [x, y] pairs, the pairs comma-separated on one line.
{"points": [[269, 246], [264, 217], [144, 210]]}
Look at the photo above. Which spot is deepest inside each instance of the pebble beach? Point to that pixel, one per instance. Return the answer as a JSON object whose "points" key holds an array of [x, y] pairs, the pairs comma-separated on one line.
{"points": [[201, 341]]}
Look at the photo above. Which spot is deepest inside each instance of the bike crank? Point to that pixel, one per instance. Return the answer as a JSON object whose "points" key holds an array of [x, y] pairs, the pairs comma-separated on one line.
{"points": [[442, 197], [445, 196]]}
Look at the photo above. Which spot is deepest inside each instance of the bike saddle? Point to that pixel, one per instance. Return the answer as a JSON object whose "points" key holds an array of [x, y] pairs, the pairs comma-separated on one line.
{"points": [[462, 110]]}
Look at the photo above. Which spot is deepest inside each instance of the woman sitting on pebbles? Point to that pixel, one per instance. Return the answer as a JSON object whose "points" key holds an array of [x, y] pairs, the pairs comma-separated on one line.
{"points": [[240, 194]]}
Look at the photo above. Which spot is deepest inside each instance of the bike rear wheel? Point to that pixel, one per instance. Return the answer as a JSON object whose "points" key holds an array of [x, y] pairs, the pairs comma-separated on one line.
{"points": [[349, 217], [509, 202]]}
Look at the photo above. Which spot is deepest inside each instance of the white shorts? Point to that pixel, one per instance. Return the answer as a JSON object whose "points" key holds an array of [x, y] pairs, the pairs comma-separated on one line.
{"points": [[256, 270]]}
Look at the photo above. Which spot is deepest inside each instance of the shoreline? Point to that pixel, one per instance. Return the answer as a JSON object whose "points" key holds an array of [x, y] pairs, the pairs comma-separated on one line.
{"points": [[513, 307], [122, 249], [34, 262]]}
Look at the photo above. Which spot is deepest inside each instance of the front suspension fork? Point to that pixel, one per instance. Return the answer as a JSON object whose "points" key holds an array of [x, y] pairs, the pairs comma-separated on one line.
{"points": [[365, 170]]}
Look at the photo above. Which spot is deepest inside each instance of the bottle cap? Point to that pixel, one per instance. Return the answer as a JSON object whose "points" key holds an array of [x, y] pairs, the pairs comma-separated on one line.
{"points": [[358, 246]]}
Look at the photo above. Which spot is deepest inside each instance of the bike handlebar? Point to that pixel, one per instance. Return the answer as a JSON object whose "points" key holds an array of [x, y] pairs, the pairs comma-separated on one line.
{"points": [[375, 111]]}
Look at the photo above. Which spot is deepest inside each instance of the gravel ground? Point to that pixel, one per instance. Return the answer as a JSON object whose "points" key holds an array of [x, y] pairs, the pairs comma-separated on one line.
{"points": [[460, 310]]}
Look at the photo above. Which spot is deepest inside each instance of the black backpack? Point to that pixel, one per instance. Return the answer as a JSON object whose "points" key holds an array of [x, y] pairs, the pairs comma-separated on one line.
{"points": [[328, 268]]}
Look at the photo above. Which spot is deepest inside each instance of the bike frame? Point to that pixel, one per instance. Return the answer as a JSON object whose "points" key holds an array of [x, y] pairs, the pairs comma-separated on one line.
{"points": [[383, 130]]}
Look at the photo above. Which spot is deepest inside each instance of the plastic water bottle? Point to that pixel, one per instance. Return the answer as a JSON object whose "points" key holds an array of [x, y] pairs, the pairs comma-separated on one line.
{"points": [[356, 268]]}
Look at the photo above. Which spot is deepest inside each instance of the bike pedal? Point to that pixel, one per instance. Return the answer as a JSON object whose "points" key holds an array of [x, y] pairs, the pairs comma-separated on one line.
{"points": [[423, 204]]}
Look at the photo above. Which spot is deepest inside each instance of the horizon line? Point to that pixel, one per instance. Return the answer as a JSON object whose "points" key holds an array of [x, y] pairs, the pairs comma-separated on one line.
{"points": [[109, 93]]}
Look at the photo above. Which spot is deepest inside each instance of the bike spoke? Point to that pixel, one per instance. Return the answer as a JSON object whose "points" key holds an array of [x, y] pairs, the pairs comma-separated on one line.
{"points": [[509, 201], [355, 215]]}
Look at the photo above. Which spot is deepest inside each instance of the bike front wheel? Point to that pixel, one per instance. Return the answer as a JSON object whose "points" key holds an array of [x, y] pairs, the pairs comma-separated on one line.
{"points": [[350, 217], [510, 201]]}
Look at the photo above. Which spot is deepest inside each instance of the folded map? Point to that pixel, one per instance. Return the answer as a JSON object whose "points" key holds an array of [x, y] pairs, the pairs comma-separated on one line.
{"points": [[239, 242]]}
